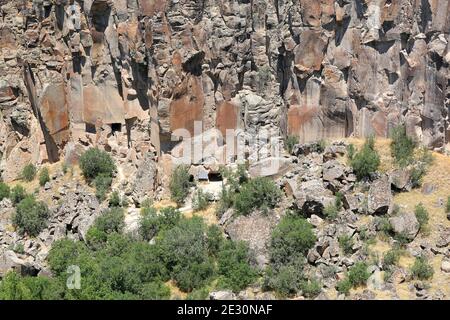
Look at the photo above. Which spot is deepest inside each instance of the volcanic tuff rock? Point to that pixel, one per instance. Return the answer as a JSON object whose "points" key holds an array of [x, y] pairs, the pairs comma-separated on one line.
{"points": [[125, 75]]}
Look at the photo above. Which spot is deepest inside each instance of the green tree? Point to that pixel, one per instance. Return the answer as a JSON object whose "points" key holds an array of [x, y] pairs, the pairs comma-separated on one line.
{"points": [[358, 274], [366, 161], [95, 162], [259, 193], [180, 184], [152, 222], [421, 269], [344, 286], [156, 290], [285, 280], [346, 244], [200, 200], [13, 288], [234, 266], [4, 191], [402, 146], [114, 199], [44, 176], [110, 221], [291, 141], [18, 193], [291, 238], [31, 216], [102, 184], [391, 257], [186, 254], [29, 172], [422, 215]]}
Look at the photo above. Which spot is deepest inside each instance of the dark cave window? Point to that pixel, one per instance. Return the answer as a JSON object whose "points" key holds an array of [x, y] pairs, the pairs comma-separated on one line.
{"points": [[90, 128], [116, 127], [215, 176]]}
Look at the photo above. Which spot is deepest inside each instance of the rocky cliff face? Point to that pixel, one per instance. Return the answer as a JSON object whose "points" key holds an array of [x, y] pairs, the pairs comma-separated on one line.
{"points": [[126, 74]]}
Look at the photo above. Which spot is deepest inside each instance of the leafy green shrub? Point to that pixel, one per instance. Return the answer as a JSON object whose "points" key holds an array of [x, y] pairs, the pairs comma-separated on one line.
{"points": [[229, 191], [422, 215], [200, 200], [28, 172], [15, 287], [102, 183], [156, 290], [151, 223], [185, 251], [344, 286], [291, 141], [215, 239], [424, 158], [330, 211], [95, 162], [116, 266], [44, 176], [234, 267], [417, 174], [383, 225], [31, 216], [311, 288], [391, 257], [291, 239], [18, 248], [4, 191], [285, 280], [402, 146], [225, 202], [358, 274], [114, 199], [110, 221], [259, 193], [346, 244], [351, 151], [421, 269], [180, 184], [366, 161], [120, 269], [319, 146], [198, 294], [18, 193]]}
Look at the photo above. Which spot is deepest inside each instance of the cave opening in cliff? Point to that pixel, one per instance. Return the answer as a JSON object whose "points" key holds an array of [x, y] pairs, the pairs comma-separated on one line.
{"points": [[215, 177], [47, 11], [100, 13], [116, 127], [90, 128]]}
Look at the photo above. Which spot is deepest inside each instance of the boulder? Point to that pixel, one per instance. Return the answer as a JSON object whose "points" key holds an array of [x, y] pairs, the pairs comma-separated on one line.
{"points": [[222, 295], [333, 170], [445, 265], [380, 196], [256, 230], [405, 224], [312, 197], [10, 262], [145, 182], [354, 201], [401, 179]]}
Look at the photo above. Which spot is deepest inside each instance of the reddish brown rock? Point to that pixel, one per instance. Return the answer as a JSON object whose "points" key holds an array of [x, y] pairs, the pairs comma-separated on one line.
{"points": [[188, 107]]}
